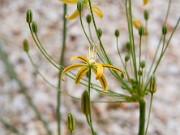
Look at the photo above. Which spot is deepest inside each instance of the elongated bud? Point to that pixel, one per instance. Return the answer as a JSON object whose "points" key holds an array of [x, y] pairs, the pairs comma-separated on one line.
{"points": [[142, 64], [126, 58], [85, 103], [88, 18], [128, 45], [70, 122], [146, 15], [116, 33], [34, 27], [153, 86], [99, 32], [140, 73], [29, 16], [26, 45], [164, 29], [141, 30], [80, 5]]}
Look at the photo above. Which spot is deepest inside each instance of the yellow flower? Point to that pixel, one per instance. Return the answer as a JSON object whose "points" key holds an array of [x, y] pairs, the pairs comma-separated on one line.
{"points": [[89, 63], [145, 2], [75, 14]]}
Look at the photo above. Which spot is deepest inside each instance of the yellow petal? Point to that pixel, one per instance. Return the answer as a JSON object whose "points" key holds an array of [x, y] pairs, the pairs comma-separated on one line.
{"points": [[84, 59], [70, 68], [69, 1], [102, 81], [113, 67], [137, 23], [145, 2], [99, 68], [73, 15], [80, 74], [97, 11]]}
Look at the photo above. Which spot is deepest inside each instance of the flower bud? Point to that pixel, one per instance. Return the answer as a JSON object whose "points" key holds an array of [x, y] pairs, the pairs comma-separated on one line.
{"points": [[99, 32], [152, 85], [146, 15], [128, 45], [34, 27], [85, 103], [140, 73], [80, 5], [88, 18], [141, 30], [142, 64], [164, 29], [126, 58], [70, 122], [29, 16], [116, 33], [26, 45]]}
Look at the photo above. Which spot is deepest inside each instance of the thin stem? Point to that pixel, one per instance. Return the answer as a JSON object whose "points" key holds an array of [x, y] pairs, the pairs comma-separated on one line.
{"points": [[84, 29], [89, 91], [142, 116], [60, 71], [9, 126], [149, 114]]}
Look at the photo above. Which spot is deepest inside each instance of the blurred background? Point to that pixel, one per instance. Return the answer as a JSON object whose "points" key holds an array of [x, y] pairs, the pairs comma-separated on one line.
{"points": [[19, 83]]}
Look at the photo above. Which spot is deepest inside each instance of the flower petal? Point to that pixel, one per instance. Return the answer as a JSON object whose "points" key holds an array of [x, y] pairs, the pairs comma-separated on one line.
{"points": [[80, 74], [84, 59], [113, 67], [73, 15], [102, 81], [145, 2], [99, 68], [69, 1], [97, 11], [70, 68]]}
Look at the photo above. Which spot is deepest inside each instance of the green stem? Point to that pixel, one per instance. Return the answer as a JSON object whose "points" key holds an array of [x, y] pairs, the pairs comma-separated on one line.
{"points": [[149, 113], [60, 71], [142, 116], [89, 91]]}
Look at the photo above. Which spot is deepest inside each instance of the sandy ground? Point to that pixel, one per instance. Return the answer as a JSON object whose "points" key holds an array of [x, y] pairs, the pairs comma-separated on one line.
{"points": [[108, 119]]}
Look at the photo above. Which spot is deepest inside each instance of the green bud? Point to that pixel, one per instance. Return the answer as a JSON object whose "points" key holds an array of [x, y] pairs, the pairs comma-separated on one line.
{"points": [[71, 122], [88, 18], [128, 45], [142, 64], [140, 73], [116, 33], [141, 30], [99, 32], [85, 103], [34, 27], [80, 5], [146, 15], [152, 84], [164, 29], [26, 45], [29, 16], [126, 58]]}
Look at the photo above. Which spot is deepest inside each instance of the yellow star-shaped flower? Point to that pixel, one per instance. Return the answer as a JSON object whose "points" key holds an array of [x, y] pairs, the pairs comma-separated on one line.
{"points": [[89, 63], [75, 14]]}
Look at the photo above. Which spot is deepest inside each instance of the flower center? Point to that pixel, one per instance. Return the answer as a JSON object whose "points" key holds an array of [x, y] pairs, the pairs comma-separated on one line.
{"points": [[91, 55]]}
